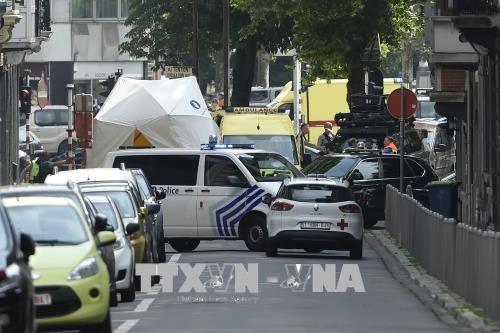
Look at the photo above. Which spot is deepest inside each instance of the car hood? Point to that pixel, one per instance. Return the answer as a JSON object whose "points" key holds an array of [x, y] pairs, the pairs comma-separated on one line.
{"points": [[48, 257]]}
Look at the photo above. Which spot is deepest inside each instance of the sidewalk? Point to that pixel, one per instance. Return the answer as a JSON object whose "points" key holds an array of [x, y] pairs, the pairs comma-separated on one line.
{"points": [[451, 307]]}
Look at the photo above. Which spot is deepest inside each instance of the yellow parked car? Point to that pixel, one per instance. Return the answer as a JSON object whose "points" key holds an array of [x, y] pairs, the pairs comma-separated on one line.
{"points": [[70, 277]]}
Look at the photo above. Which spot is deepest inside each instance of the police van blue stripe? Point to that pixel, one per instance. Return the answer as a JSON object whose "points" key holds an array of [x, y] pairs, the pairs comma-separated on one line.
{"points": [[251, 204], [225, 208], [238, 213]]}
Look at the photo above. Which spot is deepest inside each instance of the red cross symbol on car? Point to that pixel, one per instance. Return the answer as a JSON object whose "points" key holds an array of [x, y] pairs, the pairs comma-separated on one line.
{"points": [[342, 224]]}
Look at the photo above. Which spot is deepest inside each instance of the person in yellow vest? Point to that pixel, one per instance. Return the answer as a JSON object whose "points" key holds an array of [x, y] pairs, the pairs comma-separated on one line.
{"points": [[389, 146]]}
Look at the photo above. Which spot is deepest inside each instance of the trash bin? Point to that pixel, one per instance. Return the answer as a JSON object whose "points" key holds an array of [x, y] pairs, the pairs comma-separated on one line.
{"points": [[443, 196]]}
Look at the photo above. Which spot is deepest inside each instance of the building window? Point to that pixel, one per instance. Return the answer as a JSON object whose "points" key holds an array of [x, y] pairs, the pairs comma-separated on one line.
{"points": [[82, 9], [100, 9], [125, 5], [106, 8]]}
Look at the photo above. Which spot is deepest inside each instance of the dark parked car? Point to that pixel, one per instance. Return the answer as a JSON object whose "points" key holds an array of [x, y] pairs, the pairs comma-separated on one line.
{"points": [[368, 174], [17, 311]]}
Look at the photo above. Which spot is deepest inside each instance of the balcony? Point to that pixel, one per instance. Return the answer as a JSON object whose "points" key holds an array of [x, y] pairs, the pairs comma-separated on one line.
{"points": [[475, 7]]}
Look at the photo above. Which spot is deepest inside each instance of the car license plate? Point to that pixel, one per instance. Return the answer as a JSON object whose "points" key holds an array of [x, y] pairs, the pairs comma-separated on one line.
{"points": [[42, 299], [315, 225]]}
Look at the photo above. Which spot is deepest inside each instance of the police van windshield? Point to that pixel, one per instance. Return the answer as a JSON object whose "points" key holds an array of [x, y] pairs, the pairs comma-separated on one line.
{"points": [[281, 144], [266, 167]]}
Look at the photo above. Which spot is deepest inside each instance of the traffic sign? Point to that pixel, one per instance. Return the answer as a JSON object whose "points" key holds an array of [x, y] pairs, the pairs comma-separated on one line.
{"points": [[173, 72], [394, 103]]}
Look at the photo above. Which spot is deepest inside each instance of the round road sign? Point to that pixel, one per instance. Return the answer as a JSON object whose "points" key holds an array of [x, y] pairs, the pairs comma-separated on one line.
{"points": [[394, 103]]}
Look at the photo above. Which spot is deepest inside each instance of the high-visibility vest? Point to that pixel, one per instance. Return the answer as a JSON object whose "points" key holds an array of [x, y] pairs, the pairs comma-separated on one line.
{"points": [[392, 146]]}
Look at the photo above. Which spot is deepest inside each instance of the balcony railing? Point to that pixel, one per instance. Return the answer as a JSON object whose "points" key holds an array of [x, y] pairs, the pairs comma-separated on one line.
{"points": [[42, 17], [475, 7]]}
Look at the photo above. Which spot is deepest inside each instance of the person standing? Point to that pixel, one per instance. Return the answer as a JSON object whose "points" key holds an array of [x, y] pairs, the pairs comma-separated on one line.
{"points": [[424, 136], [389, 146], [301, 140], [326, 138]]}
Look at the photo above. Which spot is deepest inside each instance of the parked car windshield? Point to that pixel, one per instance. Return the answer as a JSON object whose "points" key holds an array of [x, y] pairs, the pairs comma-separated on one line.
{"points": [[106, 209], [331, 166], [266, 167], [47, 224], [122, 200], [317, 193], [281, 144]]}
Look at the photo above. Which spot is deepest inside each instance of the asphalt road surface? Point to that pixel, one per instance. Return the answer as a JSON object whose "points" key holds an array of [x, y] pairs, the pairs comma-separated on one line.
{"points": [[387, 305]]}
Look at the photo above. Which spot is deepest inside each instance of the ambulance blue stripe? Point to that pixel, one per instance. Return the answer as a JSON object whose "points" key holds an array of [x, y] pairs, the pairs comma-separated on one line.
{"points": [[223, 209], [249, 207]]}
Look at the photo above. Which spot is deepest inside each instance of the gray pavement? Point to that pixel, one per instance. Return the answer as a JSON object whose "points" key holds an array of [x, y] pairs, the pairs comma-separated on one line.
{"points": [[387, 305]]}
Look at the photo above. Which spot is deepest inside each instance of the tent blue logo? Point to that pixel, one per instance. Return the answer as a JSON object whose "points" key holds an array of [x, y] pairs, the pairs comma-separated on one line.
{"points": [[195, 104]]}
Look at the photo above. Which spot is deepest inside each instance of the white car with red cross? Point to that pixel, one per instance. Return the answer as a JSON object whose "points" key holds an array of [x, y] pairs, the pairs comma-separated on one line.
{"points": [[314, 214]]}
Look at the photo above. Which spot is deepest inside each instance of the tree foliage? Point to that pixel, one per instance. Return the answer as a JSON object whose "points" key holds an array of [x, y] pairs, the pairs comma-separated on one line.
{"points": [[329, 35]]}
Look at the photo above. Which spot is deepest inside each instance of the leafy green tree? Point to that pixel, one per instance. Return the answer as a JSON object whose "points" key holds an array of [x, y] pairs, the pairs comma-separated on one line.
{"points": [[161, 30], [332, 35]]}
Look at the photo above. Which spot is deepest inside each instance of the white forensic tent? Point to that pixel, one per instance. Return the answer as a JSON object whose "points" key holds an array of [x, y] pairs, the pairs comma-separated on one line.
{"points": [[168, 113]]}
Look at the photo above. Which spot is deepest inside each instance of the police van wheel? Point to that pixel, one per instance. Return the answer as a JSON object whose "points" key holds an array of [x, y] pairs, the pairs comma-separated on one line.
{"points": [[256, 235], [184, 245]]}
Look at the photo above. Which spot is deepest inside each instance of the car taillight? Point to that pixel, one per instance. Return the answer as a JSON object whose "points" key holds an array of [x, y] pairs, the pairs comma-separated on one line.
{"points": [[281, 206], [3, 275], [350, 208]]}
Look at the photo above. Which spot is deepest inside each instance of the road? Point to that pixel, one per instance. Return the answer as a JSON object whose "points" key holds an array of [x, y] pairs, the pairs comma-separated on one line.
{"points": [[386, 305]]}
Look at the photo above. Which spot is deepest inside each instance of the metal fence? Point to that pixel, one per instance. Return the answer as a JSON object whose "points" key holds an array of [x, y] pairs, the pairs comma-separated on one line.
{"points": [[466, 259]]}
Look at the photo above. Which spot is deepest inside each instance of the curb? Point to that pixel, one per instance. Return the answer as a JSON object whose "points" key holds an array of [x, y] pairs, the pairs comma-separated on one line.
{"points": [[455, 305]]}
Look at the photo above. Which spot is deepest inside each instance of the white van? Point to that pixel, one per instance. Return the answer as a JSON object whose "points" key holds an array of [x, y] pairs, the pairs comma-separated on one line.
{"points": [[50, 125], [211, 193]]}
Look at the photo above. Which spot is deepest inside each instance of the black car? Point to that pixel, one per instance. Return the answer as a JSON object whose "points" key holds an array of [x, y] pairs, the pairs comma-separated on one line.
{"points": [[17, 311], [368, 174]]}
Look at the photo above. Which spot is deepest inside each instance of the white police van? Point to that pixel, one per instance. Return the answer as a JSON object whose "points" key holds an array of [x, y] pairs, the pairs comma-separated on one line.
{"points": [[211, 193]]}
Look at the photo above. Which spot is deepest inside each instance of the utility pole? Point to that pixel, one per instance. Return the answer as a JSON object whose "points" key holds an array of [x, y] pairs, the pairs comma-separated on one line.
{"points": [[225, 27], [69, 153], [196, 49]]}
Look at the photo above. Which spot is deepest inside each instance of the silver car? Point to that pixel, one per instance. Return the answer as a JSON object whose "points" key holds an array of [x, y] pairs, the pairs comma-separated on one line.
{"points": [[314, 214], [122, 248]]}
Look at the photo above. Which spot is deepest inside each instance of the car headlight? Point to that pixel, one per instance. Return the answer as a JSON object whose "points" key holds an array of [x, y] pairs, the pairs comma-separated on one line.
{"points": [[119, 244], [88, 267]]}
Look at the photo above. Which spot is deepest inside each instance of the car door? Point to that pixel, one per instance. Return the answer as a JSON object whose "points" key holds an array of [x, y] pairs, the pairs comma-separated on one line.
{"points": [[221, 202], [177, 175], [367, 188], [391, 170]]}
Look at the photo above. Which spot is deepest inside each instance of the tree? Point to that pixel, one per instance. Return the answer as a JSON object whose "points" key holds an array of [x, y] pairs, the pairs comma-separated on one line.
{"points": [[331, 35], [161, 30]]}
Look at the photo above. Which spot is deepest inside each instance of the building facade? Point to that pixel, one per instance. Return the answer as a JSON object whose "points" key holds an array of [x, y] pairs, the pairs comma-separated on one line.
{"points": [[466, 67], [26, 24], [83, 48]]}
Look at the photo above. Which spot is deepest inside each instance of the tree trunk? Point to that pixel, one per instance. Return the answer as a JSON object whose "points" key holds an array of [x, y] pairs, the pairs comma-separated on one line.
{"points": [[243, 72], [263, 60], [219, 71]]}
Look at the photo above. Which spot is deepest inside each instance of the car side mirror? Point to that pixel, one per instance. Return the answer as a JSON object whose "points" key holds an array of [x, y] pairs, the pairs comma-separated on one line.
{"points": [[100, 222], [106, 238], [159, 195], [236, 181], [27, 246], [267, 199], [132, 228], [440, 148], [153, 208], [356, 175]]}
